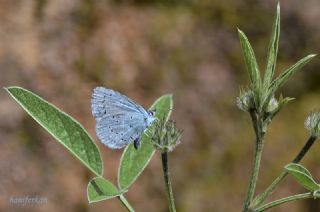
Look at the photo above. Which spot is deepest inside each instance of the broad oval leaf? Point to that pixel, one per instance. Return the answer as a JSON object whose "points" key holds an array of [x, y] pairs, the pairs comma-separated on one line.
{"points": [[61, 126], [101, 189], [303, 176], [134, 161]]}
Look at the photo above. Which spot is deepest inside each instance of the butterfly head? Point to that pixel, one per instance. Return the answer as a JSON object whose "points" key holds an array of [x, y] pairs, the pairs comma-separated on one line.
{"points": [[152, 112], [151, 117]]}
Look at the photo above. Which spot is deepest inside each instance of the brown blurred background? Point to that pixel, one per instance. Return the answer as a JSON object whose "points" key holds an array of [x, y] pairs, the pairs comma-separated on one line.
{"points": [[61, 50]]}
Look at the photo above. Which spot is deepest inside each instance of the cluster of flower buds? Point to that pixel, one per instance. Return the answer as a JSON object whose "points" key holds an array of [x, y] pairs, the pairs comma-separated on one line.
{"points": [[165, 135], [247, 102]]}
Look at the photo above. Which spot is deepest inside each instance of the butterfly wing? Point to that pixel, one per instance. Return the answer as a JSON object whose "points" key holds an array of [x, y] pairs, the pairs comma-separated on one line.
{"points": [[118, 131], [106, 100], [119, 119]]}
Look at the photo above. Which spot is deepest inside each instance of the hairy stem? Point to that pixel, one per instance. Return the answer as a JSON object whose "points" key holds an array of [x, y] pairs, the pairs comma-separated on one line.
{"points": [[263, 196], [284, 200], [257, 124], [167, 180], [125, 202]]}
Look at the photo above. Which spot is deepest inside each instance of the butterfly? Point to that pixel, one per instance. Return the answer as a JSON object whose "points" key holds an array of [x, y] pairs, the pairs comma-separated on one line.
{"points": [[119, 120]]}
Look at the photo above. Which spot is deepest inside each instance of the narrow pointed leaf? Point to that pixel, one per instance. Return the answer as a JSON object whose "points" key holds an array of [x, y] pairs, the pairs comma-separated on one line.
{"points": [[134, 161], [101, 189], [273, 50], [302, 176], [283, 78], [250, 61], [61, 126], [284, 100]]}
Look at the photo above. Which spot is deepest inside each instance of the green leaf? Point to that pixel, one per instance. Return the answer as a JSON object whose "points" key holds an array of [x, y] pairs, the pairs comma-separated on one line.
{"points": [[101, 189], [134, 161], [284, 100], [284, 76], [251, 64], [61, 126], [303, 176], [273, 51]]}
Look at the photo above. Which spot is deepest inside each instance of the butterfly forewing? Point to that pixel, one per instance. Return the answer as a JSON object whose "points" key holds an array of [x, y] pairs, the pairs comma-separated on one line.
{"points": [[103, 98]]}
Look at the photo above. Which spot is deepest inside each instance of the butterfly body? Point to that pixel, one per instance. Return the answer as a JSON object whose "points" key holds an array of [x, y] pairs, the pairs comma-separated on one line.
{"points": [[120, 120]]}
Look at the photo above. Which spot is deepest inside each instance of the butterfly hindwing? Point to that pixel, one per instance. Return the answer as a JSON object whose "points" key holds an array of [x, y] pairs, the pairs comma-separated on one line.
{"points": [[120, 130]]}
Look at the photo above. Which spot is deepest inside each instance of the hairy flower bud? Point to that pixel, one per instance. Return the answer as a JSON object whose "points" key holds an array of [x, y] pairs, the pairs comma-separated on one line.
{"points": [[312, 124], [245, 100], [272, 106]]}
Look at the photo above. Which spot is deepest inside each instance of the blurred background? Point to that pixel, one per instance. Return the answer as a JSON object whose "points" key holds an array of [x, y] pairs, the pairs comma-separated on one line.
{"points": [[61, 50]]}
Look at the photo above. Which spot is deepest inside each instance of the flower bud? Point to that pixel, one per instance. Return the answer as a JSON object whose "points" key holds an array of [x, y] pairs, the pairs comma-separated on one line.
{"points": [[245, 100], [312, 124], [165, 135], [272, 106]]}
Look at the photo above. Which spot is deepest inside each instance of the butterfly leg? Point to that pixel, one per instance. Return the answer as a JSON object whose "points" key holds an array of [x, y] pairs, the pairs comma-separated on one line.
{"points": [[136, 142]]}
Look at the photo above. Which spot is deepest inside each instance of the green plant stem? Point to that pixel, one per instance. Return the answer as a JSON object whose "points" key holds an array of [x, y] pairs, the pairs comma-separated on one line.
{"points": [[304, 149], [263, 196], [257, 124], [167, 179], [125, 202], [284, 200]]}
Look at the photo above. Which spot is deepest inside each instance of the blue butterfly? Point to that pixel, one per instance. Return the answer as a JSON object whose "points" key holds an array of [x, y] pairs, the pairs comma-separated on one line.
{"points": [[119, 120]]}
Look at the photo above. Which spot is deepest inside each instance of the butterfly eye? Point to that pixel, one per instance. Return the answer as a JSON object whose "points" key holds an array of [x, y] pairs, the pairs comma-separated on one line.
{"points": [[152, 112]]}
